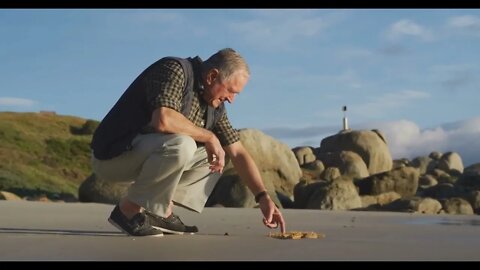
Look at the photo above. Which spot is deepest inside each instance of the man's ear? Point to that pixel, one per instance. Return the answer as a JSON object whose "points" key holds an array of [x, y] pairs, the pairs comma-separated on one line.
{"points": [[212, 75]]}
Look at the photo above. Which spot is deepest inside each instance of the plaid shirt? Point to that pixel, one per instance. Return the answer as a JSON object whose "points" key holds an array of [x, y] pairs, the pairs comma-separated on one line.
{"points": [[165, 89]]}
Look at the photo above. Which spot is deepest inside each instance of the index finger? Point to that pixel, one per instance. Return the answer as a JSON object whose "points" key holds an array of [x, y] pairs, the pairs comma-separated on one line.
{"points": [[279, 220], [282, 225]]}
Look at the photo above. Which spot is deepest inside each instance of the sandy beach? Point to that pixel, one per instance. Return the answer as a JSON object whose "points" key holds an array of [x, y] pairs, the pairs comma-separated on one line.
{"points": [[37, 231]]}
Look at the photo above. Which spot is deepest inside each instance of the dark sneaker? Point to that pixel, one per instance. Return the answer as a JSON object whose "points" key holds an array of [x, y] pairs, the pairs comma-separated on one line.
{"points": [[171, 224], [139, 225]]}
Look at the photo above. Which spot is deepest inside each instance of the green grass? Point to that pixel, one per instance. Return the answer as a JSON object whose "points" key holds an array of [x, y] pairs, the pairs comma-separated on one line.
{"points": [[41, 154]]}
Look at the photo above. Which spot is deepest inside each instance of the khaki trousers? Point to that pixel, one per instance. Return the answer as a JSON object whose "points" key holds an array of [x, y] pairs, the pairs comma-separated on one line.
{"points": [[163, 168]]}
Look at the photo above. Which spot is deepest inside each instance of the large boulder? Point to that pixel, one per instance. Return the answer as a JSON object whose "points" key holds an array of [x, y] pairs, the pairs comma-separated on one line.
{"points": [[94, 189], [339, 194], [370, 145], [313, 170], [451, 162], [349, 163], [275, 160], [424, 164], [304, 154], [473, 197], [415, 204], [427, 180], [457, 206], [403, 180], [442, 191], [471, 177], [231, 191], [304, 190], [381, 199]]}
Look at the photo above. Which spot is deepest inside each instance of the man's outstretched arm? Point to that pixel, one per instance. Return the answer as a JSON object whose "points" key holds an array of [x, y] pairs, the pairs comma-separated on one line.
{"points": [[248, 172]]}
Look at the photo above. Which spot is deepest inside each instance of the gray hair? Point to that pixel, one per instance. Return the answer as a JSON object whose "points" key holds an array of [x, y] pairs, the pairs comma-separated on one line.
{"points": [[228, 62]]}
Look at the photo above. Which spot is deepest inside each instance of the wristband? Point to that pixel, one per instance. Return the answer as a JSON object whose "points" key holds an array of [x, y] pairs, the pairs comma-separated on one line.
{"points": [[260, 195]]}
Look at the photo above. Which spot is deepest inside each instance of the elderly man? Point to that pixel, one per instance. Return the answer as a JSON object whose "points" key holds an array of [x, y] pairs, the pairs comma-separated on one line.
{"points": [[169, 133]]}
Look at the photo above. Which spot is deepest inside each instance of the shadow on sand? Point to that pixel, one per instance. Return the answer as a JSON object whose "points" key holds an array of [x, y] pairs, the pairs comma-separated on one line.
{"points": [[60, 232]]}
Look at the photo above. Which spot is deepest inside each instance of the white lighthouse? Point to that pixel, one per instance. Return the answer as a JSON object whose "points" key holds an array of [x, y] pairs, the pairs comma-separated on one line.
{"points": [[345, 120]]}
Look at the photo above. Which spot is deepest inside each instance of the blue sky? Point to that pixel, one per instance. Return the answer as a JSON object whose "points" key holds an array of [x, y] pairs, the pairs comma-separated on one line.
{"points": [[412, 73]]}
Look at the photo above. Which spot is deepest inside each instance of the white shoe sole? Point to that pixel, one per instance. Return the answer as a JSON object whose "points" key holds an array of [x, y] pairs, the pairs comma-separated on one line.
{"points": [[120, 228]]}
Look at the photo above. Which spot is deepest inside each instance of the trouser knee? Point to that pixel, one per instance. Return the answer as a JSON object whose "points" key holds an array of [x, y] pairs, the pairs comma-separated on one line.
{"points": [[182, 147]]}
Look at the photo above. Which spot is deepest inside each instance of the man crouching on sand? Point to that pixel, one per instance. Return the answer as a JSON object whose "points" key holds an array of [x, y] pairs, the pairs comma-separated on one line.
{"points": [[169, 133]]}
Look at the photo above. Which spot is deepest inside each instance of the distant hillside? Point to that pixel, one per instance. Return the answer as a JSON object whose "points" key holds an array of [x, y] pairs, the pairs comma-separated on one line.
{"points": [[44, 154]]}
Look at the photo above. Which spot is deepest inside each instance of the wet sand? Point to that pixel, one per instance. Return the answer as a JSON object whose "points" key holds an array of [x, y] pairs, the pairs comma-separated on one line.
{"points": [[41, 231]]}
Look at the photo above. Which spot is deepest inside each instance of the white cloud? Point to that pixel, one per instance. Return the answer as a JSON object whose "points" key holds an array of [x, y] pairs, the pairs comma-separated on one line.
{"points": [[467, 22], [408, 28], [406, 140], [16, 102]]}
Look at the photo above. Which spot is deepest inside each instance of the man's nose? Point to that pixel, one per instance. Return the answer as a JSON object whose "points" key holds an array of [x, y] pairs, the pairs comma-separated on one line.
{"points": [[231, 98]]}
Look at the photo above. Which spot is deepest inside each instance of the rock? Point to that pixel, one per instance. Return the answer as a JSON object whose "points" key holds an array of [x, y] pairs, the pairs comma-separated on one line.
{"points": [[371, 146], [94, 189], [457, 206], [403, 180], [8, 196], [304, 154], [276, 162], [340, 194], [349, 163], [415, 204], [381, 199], [451, 162]]}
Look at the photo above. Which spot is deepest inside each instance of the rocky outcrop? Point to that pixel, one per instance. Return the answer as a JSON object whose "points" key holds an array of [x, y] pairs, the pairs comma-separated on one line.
{"points": [[370, 145]]}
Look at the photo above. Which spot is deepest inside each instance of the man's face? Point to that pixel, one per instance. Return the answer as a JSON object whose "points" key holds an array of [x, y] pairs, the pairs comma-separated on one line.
{"points": [[217, 92]]}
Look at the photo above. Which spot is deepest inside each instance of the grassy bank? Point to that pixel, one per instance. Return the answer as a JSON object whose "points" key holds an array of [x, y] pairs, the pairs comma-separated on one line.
{"points": [[44, 153]]}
